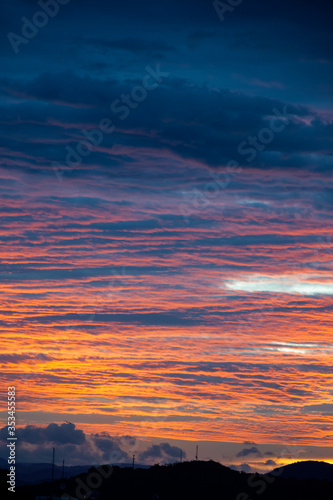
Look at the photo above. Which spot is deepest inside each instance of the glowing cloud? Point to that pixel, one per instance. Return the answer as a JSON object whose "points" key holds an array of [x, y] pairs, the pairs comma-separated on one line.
{"points": [[283, 284]]}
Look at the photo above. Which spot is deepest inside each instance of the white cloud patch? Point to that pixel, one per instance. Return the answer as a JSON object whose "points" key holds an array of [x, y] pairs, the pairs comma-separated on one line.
{"points": [[284, 284], [258, 203]]}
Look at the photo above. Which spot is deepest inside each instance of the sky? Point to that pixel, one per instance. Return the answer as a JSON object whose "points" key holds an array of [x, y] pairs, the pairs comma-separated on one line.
{"points": [[166, 234]]}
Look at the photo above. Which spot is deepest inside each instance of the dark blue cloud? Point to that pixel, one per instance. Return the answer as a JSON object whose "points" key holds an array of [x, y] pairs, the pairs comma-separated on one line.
{"points": [[53, 433], [111, 452], [249, 451], [163, 451]]}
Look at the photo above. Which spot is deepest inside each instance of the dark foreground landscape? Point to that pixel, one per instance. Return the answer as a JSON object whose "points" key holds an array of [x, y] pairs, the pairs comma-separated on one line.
{"points": [[195, 480]]}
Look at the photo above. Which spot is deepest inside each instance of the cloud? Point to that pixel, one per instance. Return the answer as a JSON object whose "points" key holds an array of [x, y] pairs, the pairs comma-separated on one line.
{"points": [[110, 449], [77, 447], [129, 442], [73, 444], [18, 358], [163, 451], [270, 462], [241, 468], [249, 451], [210, 141], [278, 284], [53, 433], [319, 409]]}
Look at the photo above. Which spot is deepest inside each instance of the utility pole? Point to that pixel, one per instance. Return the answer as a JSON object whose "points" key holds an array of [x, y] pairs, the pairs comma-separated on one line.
{"points": [[197, 452], [62, 484], [133, 460], [181, 456], [53, 453]]}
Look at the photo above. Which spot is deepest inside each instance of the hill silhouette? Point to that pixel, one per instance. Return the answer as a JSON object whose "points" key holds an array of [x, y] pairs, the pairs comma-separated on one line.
{"points": [[182, 481], [309, 469]]}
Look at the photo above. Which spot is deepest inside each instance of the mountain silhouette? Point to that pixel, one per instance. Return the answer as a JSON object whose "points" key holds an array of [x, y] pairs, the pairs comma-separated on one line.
{"points": [[309, 469], [195, 480]]}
